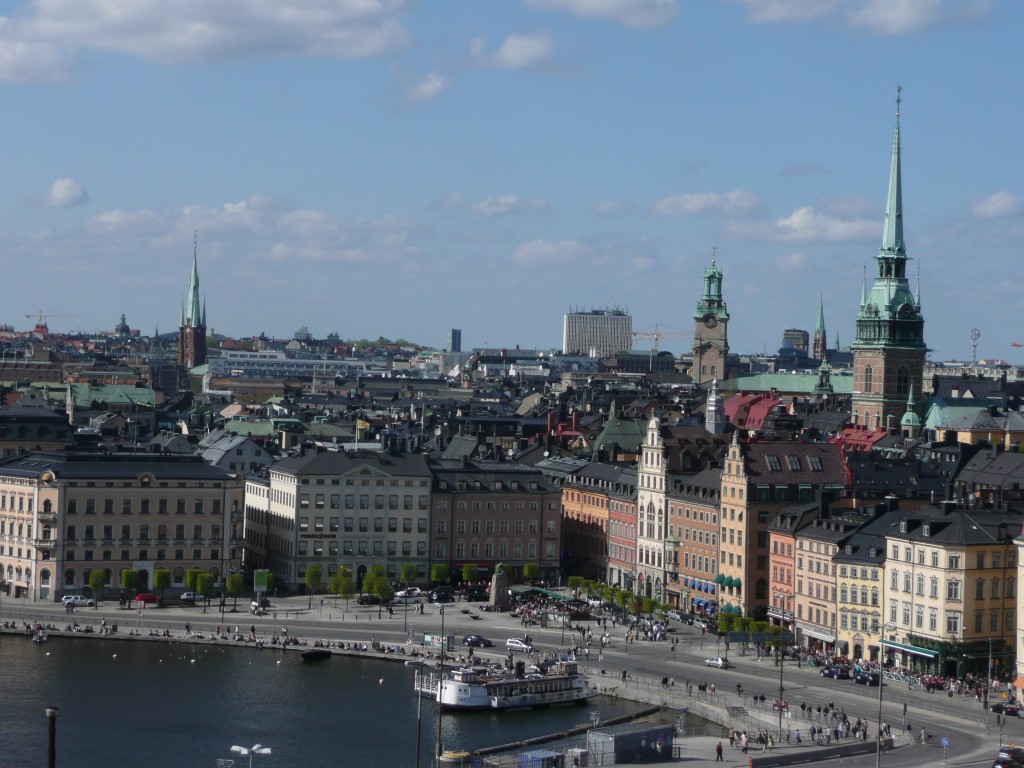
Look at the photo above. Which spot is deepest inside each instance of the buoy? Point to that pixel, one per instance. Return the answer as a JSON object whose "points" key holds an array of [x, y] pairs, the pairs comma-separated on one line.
{"points": [[115, 656], [381, 681], [278, 661]]}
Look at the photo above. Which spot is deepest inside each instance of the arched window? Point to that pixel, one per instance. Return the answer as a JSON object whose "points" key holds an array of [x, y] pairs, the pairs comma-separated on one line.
{"points": [[843, 597], [868, 376], [47, 507], [864, 595], [69, 578]]}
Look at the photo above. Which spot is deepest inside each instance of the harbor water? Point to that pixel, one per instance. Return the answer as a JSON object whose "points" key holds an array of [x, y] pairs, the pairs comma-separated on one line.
{"points": [[169, 704]]}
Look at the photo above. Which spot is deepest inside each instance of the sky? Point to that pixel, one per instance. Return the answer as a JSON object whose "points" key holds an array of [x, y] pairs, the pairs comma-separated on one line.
{"points": [[398, 168]]}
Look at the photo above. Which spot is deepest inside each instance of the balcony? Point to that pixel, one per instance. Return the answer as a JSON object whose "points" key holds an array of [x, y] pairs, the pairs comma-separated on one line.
{"points": [[44, 543]]}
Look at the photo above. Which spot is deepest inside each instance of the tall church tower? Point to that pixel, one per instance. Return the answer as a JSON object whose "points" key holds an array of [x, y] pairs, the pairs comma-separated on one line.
{"points": [[819, 347], [889, 348], [192, 330], [711, 330]]}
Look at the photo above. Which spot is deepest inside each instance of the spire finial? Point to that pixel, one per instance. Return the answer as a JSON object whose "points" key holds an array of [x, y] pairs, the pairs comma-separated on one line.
{"points": [[714, 252], [899, 99]]}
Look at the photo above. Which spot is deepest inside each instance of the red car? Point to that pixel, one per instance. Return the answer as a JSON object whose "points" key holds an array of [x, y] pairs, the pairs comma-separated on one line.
{"points": [[147, 597]]}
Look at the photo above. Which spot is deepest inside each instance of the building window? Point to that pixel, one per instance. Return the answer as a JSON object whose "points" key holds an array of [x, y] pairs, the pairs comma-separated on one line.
{"points": [[952, 589], [868, 376], [953, 623]]}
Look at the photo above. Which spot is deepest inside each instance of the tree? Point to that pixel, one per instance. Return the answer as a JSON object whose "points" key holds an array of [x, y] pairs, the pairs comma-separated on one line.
{"points": [[236, 583], [624, 597], [192, 578], [407, 574], [204, 585], [575, 583], [161, 580], [439, 573], [470, 571], [313, 574], [129, 579], [342, 584], [97, 581], [375, 582], [531, 571]]}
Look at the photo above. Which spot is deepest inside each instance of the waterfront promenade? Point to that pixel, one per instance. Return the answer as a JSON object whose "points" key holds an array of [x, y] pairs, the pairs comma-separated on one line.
{"points": [[648, 666]]}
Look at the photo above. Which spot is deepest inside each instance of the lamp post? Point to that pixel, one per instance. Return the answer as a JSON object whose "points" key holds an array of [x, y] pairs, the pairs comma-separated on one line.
{"points": [[440, 683], [881, 658], [255, 749], [988, 683], [782, 658], [51, 743]]}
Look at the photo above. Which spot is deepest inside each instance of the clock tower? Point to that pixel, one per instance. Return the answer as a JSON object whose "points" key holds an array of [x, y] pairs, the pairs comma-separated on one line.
{"points": [[889, 349], [711, 330]]}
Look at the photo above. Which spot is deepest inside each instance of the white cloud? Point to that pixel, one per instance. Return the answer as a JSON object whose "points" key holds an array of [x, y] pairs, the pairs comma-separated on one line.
{"points": [[791, 261], [735, 203], [430, 87], [516, 52], [999, 205], [64, 193], [524, 51], [501, 205], [547, 251], [881, 17], [610, 208], [808, 225], [631, 13], [40, 45], [126, 223]]}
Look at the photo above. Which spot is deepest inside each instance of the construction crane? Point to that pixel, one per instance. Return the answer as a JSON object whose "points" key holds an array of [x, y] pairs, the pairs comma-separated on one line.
{"points": [[656, 336], [42, 315]]}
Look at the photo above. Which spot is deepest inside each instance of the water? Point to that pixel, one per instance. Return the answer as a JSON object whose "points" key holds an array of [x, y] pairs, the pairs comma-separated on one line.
{"points": [[168, 705]]}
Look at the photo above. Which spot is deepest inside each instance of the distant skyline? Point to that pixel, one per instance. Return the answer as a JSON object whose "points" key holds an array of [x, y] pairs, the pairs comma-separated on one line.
{"points": [[398, 168]]}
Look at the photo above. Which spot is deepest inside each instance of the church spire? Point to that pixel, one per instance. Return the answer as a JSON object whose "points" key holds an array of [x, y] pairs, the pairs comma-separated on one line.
{"points": [[892, 235], [820, 344], [193, 309]]}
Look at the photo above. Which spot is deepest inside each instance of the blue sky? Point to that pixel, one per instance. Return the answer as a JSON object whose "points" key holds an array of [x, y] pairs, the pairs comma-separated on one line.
{"points": [[399, 168]]}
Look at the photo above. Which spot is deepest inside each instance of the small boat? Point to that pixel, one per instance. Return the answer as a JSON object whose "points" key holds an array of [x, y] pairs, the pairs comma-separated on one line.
{"points": [[316, 654], [454, 757], [484, 688], [41, 636]]}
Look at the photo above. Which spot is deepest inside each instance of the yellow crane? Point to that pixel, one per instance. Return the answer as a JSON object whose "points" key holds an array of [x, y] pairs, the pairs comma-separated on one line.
{"points": [[656, 335], [42, 314]]}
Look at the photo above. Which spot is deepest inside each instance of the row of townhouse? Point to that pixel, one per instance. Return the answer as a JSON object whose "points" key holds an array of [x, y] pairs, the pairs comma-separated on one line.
{"points": [[363, 509], [63, 515], [854, 554]]}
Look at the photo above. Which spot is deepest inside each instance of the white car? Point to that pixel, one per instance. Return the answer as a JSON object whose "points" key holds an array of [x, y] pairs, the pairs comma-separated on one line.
{"points": [[401, 599], [78, 601], [518, 644], [700, 624], [717, 661], [410, 592], [191, 597], [675, 615]]}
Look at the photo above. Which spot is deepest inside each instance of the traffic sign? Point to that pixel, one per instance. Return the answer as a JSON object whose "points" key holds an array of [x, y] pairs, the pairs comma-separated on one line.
{"points": [[945, 741]]}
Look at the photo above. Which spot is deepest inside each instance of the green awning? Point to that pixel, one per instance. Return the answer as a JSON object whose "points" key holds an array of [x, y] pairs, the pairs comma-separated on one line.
{"points": [[737, 582], [728, 582], [911, 649], [719, 578]]}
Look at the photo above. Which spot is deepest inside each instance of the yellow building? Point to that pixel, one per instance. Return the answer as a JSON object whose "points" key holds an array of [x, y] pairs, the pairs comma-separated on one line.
{"points": [[951, 590]]}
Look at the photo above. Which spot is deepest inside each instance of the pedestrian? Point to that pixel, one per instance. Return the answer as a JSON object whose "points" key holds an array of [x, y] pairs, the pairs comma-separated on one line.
{"points": [[718, 752], [623, 675], [188, 629], [744, 742]]}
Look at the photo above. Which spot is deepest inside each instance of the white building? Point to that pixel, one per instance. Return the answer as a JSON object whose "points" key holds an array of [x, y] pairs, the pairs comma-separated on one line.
{"points": [[598, 333]]}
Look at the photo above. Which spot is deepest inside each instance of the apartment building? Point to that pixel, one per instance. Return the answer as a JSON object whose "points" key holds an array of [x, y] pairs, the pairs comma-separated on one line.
{"points": [[860, 567], [782, 533], [951, 588], [490, 512], [333, 509], [693, 510], [64, 515], [588, 499], [759, 480]]}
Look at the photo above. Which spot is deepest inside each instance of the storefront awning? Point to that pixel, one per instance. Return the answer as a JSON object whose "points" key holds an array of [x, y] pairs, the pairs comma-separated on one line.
{"points": [[911, 649], [817, 634]]}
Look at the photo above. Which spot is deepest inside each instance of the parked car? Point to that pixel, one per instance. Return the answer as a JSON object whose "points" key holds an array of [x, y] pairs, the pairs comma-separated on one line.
{"points": [[700, 624], [476, 594], [368, 599], [147, 597], [443, 595], [675, 615], [836, 672], [477, 641], [191, 597], [410, 592], [518, 644], [408, 599], [866, 677], [717, 661], [78, 601]]}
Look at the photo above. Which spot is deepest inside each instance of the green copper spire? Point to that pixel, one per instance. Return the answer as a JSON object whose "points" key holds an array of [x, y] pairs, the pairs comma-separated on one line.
{"points": [[892, 235], [193, 309], [819, 330]]}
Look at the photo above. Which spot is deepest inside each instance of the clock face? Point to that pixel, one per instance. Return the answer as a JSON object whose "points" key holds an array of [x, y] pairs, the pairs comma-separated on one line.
{"points": [[710, 321]]}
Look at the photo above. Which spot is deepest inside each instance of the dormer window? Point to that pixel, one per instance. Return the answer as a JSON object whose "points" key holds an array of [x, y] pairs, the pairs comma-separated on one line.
{"points": [[849, 549], [773, 463], [926, 529], [903, 526]]}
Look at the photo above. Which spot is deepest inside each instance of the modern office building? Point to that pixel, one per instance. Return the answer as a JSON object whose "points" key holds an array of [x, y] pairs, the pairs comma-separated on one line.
{"points": [[598, 332]]}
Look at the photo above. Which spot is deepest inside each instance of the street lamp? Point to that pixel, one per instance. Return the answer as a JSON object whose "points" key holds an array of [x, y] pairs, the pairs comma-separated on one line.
{"points": [[51, 744], [255, 749], [782, 659], [881, 658], [988, 683], [440, 686]]}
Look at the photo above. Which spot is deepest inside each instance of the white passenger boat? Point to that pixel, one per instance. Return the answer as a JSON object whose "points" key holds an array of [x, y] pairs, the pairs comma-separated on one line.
{"points": [[485, 688]]}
